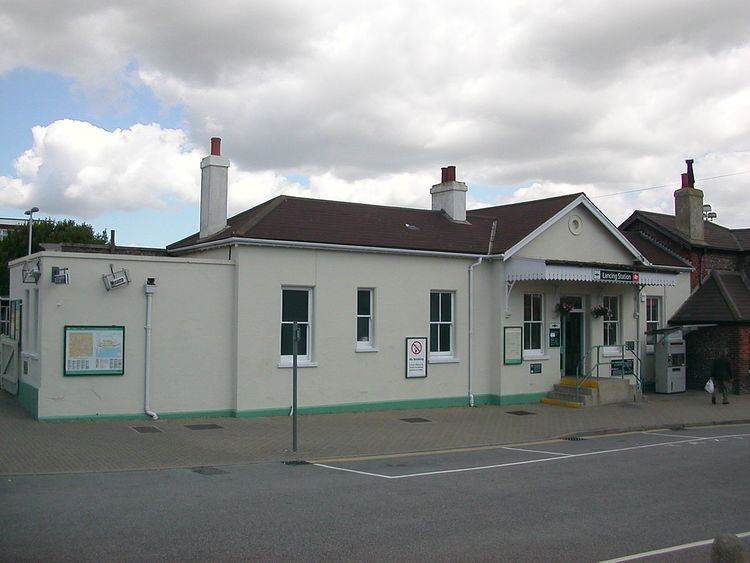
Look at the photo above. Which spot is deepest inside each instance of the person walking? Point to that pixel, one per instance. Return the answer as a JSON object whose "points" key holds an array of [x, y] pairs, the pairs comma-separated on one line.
{"points": [[721, 373]]}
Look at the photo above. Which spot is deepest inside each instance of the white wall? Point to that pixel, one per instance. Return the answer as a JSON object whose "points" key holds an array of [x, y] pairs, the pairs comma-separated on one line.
{"points": [[192, 345]]}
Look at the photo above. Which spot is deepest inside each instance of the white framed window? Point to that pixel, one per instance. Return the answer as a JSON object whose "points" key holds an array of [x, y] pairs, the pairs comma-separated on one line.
{"points": [[532, 323], [611, 325], [296, 305], [365, 319], [653, 320], [441, 323]]}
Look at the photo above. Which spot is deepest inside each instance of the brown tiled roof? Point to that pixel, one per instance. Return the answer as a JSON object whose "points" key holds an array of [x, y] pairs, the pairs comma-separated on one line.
{"points": [[743, 237], [724, 297], [715, 235], [288, 218], [104, 249], [653, 252]]}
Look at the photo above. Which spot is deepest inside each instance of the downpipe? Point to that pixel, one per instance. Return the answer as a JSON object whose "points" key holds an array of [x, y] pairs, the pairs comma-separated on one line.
{"points": [[471, 329], [150, 289]]}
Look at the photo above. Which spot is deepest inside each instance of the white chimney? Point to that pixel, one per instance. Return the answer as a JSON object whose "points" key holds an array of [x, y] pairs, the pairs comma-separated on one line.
{"points": [[449, 195], [214, 180]]}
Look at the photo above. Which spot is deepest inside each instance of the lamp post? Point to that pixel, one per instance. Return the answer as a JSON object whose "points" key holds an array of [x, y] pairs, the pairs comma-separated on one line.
{"points": [[30, 213]]}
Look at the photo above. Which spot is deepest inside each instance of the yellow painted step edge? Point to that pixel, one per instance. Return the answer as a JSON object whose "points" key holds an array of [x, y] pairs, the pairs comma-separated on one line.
{"points": [[591, 384], [558, 402]]}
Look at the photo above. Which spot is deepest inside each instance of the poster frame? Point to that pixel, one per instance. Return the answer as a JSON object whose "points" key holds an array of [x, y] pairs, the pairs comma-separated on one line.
{"points": [[517, 332], [78, 373]]}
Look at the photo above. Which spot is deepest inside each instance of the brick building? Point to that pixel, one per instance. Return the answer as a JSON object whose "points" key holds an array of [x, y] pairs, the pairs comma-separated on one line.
{"points": [[720, 290]]}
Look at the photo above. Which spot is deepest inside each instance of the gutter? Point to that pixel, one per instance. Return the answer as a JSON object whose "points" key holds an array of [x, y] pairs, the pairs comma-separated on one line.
{"points": [[241, 241]]}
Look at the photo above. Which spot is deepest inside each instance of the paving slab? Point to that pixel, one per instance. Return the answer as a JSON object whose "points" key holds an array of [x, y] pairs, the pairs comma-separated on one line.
{"points": [[28, 446]]}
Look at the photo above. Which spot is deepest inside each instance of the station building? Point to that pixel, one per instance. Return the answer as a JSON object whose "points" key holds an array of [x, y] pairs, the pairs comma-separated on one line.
{"points": [[396, 308]]}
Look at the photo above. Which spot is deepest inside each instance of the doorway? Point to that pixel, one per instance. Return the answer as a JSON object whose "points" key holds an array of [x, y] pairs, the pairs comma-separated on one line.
{"points": [[573, 335]]}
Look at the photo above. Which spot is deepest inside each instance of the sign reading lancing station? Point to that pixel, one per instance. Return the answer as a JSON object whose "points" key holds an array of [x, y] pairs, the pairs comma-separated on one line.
{"points": [[615, 276]]}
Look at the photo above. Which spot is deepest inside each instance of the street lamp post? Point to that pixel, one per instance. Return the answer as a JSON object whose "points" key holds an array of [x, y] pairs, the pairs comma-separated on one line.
{"points": [[30, 213]]}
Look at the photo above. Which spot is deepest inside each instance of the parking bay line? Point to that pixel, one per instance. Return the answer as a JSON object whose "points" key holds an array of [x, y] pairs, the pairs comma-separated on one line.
{"points": [[517, 463], [667, 550]]}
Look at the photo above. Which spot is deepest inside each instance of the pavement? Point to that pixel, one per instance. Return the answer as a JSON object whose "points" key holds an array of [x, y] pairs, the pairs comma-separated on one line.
{"points": [[30, 447]]}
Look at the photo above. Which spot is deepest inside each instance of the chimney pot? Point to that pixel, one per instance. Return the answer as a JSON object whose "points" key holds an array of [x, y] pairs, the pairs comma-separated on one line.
{"points": [[685, 180], [216, 146], [691, 176], [449, 174]]}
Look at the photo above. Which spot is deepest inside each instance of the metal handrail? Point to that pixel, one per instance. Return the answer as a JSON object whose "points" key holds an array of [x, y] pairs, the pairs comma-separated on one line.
{"points": [[581, 380]]}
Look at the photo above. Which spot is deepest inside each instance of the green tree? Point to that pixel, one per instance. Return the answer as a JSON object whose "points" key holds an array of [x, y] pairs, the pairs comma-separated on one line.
{"points": [[16, 243]]}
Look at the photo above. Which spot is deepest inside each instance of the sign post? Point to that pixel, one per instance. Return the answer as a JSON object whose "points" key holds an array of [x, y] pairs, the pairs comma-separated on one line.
{"points": [[295, 342]]}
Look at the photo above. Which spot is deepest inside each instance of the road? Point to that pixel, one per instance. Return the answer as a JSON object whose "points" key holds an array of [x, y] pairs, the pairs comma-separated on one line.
{"points": [[586, 500]]}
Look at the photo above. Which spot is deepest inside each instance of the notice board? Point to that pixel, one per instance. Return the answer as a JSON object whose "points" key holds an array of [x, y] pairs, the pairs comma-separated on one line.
{"points": [[94, 350]]}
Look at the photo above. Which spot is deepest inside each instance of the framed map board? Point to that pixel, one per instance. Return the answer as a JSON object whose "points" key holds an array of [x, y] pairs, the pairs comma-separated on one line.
{"points": [[513, 345], [94, 350]]}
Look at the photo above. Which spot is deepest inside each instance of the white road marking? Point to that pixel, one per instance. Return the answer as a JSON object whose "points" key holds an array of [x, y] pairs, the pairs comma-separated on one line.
{"points": [[668, 549], [533, 451], [670, 435], [526, 462]]}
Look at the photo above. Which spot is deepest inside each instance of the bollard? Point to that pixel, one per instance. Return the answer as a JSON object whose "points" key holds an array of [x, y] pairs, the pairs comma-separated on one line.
{"points": [[727, 548]]}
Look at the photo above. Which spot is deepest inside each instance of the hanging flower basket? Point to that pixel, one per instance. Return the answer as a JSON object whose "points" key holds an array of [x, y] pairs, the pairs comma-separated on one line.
{"points": [[599, 311], [563, 308]]}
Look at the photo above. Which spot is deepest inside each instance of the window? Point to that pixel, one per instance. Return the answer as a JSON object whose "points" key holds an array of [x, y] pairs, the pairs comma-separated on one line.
{"points": [[653, 314], [532, 322], [611, 319], [296, 305], [441, 323], [364, 318]]}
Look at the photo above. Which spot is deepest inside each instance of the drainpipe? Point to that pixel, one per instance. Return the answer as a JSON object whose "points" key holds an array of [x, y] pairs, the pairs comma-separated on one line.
{"points": [[471, 311], [150, 289]]}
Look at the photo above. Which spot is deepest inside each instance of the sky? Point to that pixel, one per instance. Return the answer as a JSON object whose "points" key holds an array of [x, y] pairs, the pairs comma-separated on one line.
{"points": [[107, 107]]}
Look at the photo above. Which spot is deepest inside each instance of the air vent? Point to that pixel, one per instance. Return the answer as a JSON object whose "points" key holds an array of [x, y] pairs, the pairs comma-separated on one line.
{"points": [[416, 419], [520, 413], [202, 426], [574, 439], [296, 462], [146, 429]]}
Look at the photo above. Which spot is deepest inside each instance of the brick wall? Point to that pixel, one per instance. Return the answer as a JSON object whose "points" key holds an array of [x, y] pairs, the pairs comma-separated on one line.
{"points": [[706, 344]]}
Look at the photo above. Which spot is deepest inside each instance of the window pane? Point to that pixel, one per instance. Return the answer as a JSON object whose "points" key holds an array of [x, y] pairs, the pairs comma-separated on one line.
{"points": [[446, 315], [527, 307], [526, 336], [363, 329], [302, 346], [286, 340], [363, 302], [294, 305], [433, 338], [434, 307], [536, 309], [445, 338], [536, 336]]}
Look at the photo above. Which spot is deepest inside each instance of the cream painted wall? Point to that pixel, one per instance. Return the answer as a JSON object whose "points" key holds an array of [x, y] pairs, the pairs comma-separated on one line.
{"points": [[594, 243], [192, 345], [402, 287]]}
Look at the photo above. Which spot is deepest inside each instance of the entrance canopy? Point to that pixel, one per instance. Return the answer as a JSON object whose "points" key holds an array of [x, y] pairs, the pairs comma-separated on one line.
{"points": [[528, 269]]}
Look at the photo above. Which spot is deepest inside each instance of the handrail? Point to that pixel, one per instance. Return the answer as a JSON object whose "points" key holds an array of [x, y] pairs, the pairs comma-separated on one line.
{"points": [[581, 380]]}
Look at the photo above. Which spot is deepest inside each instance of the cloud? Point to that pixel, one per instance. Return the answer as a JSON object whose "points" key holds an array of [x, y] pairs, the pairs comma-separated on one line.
{"points": [[368, 101]]}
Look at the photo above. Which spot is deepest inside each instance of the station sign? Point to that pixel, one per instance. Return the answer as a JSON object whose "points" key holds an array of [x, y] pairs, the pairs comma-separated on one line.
{"points": [[616, 276]]}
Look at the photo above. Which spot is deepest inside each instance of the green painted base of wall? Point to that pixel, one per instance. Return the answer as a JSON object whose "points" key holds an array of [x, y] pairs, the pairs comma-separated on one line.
{"points": [[28, 396], [441, 402]]}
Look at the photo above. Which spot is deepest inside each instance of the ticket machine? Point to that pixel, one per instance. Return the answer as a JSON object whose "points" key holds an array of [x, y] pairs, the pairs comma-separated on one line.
{"points": [[670, 363]]}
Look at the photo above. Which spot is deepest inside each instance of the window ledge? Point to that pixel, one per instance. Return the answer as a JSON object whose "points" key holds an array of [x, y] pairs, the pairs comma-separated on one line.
{"points": [[366, 349], [535, 356], [285, 365], [443, 360]]}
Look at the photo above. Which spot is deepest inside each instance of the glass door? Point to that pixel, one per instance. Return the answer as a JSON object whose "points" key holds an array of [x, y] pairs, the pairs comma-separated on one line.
{"points": [[573, 330]]}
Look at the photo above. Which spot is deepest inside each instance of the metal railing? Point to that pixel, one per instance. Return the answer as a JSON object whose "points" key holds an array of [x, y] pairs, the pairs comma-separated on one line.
{"points": [[622, 368]]}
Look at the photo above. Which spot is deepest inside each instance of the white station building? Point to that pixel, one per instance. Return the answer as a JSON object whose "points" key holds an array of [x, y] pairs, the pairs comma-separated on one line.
{"points": [[397, 308]]}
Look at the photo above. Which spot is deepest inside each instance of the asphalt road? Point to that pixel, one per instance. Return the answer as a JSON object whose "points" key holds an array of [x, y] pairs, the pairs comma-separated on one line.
{"points": [[588, 500]]}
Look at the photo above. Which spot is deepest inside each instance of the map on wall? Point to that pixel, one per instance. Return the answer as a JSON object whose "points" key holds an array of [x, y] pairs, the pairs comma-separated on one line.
{"points": [[94, 350]]}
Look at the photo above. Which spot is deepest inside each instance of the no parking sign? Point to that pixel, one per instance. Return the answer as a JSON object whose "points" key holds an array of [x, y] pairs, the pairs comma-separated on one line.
{"points": [[416, 356]]}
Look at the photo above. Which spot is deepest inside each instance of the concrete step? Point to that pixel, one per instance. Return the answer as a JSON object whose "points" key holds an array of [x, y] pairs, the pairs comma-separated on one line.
{"points": [[590, 383], [560, 403], [570, 396], [572, 388]]}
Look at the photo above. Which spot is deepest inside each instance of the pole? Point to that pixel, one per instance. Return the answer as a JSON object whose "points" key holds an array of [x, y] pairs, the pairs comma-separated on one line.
{"points": [[295, 341], [31, 226]]}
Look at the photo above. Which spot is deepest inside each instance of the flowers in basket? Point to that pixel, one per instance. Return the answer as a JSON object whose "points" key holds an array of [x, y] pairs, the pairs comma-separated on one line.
{"points": [[563, 308], [599, 311]]}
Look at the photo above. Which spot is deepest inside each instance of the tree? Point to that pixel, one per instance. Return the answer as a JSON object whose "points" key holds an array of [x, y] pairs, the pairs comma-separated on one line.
{"points": [[16, 243]]}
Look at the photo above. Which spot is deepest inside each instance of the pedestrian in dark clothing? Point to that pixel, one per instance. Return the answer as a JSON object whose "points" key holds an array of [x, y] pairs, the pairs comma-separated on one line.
{"points": [[721, 373]]}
